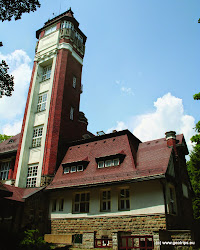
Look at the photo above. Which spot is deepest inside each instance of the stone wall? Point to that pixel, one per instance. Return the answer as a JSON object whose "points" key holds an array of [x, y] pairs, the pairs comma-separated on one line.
{"points": [[137, 224], [133, 225]]}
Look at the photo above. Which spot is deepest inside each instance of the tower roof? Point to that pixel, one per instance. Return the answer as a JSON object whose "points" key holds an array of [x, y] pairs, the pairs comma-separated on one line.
{"points": [[68, 16]]}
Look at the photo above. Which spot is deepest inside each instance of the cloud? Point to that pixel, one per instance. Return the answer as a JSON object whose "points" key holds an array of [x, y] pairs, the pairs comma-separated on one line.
{"points": [[127, 90], [12, 108], [12, 129], [124, 88], [168, 115]]}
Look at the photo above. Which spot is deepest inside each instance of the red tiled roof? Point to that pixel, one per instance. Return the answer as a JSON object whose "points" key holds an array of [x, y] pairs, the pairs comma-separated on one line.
{"points": [[6, 147], [20, 194], [152, 161]]}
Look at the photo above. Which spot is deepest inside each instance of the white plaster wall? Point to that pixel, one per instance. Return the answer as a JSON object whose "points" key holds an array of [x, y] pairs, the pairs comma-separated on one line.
{"points": [[145, 198], [39, 118], [44, 86], [48, 43], [34, 155]]}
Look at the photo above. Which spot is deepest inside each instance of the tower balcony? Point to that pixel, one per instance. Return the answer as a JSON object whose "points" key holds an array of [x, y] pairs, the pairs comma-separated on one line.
{"points": [[67, 33]]}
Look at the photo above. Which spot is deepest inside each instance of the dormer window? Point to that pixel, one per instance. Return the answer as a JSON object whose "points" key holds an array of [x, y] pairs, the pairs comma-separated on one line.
{"points": [[108, 163], [11, 141], [101, 164], [110, 160], [79, 168], [73, 169]]}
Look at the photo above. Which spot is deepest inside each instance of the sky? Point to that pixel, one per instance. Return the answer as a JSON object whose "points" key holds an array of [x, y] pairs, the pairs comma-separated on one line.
{"points": [[140, 69]]}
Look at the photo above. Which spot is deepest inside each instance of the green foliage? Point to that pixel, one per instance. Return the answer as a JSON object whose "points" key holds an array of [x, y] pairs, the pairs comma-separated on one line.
{"points": [[6, 80], [193, 166], [9, 9], [196, 96], [33, 241], [4, 137]]}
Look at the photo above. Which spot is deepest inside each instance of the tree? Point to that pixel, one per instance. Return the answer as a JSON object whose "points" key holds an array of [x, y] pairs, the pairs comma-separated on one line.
{"points": [[6, 80], [15, 8], [4, 137], [9, 9], [194, 167]]}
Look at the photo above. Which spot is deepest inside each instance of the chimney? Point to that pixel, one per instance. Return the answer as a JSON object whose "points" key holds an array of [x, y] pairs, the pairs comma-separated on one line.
{"points": [[171, 140]]}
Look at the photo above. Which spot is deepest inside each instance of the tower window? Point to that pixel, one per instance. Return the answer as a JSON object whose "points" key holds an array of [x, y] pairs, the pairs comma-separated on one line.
{"points": [[50, 30], [46, 73], [37, 137], [74, 82], [4, 170], [32, 176], [71, 113], [42, 100]]}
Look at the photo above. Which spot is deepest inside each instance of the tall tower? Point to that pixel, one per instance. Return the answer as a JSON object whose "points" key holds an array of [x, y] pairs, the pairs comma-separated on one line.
{"points": [[52, 115]]}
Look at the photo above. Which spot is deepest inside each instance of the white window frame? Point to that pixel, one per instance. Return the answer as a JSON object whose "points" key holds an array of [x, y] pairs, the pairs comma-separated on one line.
{"points": [[66, 170], [108, 163], [79, 168], [101, 164], [74, 82], [4, 170], [116, 160], [42, 101], [32, 176], [37, 137], [81, 202], [73, 169], [105, 200], [71, 113], [46, 74], [124, 199]]}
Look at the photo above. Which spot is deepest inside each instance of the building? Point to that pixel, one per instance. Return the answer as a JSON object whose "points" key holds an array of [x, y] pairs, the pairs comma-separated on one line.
{"points": [[110, 190]]}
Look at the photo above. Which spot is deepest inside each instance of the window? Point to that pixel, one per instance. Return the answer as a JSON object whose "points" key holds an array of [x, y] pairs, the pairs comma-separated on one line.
{"points": [[71, 113], [37, 137], [79, 168], [32, 176], [185, 190], [101, 164], [67, 25], [108, 163], [54, 205], [77, 238], [74, 82], [46, 73], [50, 30], [172, 200], [4, 170], [66, 170], [73, 169], [81, 203], [124, 199], [105, 200], [61, 204], [42, 100]]}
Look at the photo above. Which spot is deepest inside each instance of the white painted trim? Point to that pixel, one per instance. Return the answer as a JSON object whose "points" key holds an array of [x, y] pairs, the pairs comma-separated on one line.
{"points": [[70, 48], [46, 122], [26, 128], [160, 209]]}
